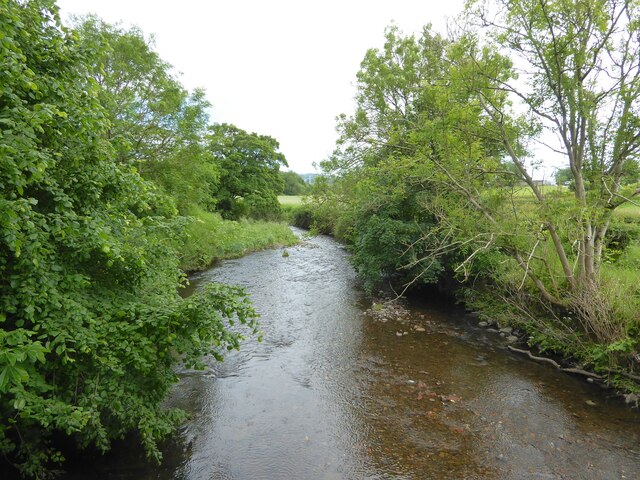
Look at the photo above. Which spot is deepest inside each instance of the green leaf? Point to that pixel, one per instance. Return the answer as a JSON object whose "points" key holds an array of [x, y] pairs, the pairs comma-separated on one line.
{"points": [[4, 379]]}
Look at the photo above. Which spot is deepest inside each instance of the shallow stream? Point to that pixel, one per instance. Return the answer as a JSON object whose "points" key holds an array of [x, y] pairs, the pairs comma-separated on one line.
{"points": [[335, 392]]}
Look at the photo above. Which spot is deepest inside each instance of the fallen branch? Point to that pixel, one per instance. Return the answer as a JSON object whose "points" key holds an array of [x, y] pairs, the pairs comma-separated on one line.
{"points": [[533, 357], [578, 371], [631, 376]]}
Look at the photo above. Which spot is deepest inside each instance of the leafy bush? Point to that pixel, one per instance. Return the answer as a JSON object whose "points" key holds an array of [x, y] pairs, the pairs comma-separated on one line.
{"points": [[298, 215]]}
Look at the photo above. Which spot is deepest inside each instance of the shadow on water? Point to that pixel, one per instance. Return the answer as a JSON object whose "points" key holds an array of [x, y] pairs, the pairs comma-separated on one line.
{"points": [[334, 392]]}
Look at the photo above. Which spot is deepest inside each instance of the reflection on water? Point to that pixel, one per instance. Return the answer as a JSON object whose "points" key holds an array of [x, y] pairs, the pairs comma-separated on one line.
{"points": [[333, 393]]}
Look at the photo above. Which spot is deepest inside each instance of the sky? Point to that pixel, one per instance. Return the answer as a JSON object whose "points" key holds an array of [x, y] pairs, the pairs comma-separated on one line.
{"points": [[275, 67]]}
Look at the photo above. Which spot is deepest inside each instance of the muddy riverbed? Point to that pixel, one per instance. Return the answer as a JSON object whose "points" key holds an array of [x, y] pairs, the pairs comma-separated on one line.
{"points": [[338, 392]]}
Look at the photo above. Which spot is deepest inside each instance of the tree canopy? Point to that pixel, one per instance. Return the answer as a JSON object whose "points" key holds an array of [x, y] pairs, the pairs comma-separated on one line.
{"points": [[249, 172], [156, 126], [294, 184]]}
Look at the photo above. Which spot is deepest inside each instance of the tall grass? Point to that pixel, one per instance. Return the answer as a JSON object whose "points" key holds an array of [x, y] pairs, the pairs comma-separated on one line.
{"points": [[211, 238]]}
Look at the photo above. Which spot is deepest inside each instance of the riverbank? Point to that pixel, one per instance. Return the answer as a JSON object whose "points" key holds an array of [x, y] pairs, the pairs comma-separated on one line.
{"points": [[545, 332], [211, 238]]}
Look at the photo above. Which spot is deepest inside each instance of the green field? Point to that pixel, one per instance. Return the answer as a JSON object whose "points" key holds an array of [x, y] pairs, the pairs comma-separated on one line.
{"points": [[629, 212], [525, 191], [291, 199]]}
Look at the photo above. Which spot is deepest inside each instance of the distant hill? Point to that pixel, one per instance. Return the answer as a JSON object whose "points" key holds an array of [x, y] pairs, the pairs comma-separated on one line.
{"points": [[309, 177]]}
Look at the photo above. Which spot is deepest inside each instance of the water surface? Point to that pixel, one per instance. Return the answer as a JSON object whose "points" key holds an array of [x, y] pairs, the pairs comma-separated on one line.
{"points": [[335, 392]]}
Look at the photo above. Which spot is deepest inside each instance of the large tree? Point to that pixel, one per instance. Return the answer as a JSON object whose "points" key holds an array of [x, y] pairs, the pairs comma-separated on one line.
{"points": [[458, 131], [141, 96], [382, 182], [576, 74], [156, 126], [249, 172], [392, 95]]}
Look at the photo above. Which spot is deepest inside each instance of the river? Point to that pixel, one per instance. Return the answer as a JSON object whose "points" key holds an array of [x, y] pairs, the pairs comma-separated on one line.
{"points": [[336, 392]]}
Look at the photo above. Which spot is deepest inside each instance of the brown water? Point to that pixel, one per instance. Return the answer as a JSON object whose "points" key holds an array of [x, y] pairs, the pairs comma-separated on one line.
{"points": [[336, 393]]}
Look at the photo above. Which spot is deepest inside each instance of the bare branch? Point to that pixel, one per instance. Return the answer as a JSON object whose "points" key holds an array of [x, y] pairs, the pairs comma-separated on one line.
{"points": [[526, 270]]}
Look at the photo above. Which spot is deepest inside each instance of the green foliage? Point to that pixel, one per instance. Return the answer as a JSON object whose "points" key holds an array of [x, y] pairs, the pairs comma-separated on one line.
{"points": [[383, 247], [380, 199], [142, 99], [391, 97], [294, 184], [210, 238], [155, 124], [91, 324], [330, 210], [431, 173], [249, 172], [630, 172], [298, 215], [564, 177], [189, 173]]}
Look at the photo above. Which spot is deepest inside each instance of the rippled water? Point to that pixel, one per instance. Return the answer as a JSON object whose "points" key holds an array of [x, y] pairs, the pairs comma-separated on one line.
{"points": [[336, 393]]}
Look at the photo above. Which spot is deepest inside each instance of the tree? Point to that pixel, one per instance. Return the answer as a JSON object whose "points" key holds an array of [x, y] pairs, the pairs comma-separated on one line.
{"points": [[391, 97], [294, 184], [156, 125], [462, 148], [142, 98], [249, 172], [580, 79], [563, 176], [91, 324], [382, 183]]}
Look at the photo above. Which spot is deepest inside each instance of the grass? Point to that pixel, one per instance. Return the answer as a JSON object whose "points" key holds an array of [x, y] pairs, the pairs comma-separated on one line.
{"points": [[210, 238], [295, 211], [525, 191], [628, 212], [291, 199]]}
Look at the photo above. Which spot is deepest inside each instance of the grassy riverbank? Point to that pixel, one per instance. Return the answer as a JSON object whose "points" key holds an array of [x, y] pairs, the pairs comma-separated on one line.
{"points": [[210, 238]]}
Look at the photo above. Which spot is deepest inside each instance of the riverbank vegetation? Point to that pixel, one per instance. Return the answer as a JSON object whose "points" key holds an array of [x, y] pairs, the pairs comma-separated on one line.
{"points": [[433, 181], [111, 179], [212, 238]]}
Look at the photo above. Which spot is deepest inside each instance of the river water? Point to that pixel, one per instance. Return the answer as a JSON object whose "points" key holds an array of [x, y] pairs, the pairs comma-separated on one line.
{"points": [[337, 392]]}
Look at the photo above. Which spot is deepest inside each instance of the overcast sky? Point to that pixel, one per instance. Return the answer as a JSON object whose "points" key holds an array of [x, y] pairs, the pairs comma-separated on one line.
{"points": [[280, 68]]}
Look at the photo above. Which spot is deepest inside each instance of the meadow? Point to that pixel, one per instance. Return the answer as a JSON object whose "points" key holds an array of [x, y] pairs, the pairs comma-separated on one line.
{"points": [[291, 199]]}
